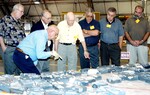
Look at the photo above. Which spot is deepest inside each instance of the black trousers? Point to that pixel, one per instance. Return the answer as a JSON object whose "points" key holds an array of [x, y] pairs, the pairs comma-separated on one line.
{"points": [[110, 51]]}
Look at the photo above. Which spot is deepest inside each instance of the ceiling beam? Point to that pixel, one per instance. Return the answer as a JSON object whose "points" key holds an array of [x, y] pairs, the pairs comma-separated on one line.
{"points": [[44, 2], [90, 4], [3, 11], [6, 8], [11, 2]]}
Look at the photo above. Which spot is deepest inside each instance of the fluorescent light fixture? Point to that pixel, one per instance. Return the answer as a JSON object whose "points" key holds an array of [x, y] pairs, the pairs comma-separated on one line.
{"points": [[36, 1]]}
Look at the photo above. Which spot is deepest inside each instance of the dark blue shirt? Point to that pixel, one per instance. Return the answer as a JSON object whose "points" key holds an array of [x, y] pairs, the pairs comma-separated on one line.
{"points": [[39, 26], [110, 33], [93, 25]]}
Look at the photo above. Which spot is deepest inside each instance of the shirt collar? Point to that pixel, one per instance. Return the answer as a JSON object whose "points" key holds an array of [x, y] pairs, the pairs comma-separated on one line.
{"points": [[68, 25], [87, 22], [110, 22], [135, 17], [45, 25]]}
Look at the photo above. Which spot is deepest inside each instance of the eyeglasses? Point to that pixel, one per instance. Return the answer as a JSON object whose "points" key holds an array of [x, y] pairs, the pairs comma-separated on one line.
{"points": [[48, 18], [20, 11], [89, 16]]}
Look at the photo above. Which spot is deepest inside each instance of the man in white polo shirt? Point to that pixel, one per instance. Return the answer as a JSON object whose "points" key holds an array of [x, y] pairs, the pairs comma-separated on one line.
{"points": [[69, 32]]}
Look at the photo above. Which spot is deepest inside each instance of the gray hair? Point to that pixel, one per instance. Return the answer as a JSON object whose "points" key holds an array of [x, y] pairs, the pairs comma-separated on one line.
{"points": [[17, 6], [45, 11], [89, 10]]}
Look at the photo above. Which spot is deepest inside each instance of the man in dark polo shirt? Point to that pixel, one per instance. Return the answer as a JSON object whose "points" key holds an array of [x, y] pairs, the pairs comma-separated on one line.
{"points": [[137, 30], [111, 38], [90, 28]]}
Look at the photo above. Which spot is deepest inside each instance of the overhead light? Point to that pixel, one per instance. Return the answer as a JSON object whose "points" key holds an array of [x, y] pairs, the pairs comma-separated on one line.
{"points": [[36, 1]]}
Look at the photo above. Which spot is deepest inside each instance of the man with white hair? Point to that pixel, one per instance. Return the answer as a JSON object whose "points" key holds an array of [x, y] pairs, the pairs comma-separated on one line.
{"points": [[69, 32], [11, 33]]}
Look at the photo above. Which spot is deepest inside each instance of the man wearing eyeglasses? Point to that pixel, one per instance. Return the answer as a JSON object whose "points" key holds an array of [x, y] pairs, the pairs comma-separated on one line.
{"points": [[90, 29], [137, 31], [11, 33], [111, 38], [43, 23]]}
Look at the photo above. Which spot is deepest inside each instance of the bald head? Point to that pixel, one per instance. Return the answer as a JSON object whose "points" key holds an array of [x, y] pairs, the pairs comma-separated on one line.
{"points": [[52, 32], [70, 18]]}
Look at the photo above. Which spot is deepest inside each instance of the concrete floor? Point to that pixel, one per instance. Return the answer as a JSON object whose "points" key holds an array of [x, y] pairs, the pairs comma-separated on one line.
{"points": [[53, 64], [1, 67]]}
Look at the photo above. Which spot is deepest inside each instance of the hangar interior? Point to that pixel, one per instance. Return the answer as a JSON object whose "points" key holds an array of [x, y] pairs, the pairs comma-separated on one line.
{"points": [[58, 8]]}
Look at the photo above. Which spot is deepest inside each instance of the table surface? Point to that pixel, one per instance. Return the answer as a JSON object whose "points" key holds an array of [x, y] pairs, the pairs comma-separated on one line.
{"points": [[136, 87]]}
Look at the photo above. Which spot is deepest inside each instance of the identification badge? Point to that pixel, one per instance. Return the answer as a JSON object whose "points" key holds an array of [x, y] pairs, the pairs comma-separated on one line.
{"points": [[75, 37], [92, 27], [137, 21], [108, 26]]}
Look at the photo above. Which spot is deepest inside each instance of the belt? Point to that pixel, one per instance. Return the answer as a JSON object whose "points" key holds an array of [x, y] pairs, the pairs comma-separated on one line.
{"points": [[109, 43], [20, 50], [90, 45], [66, 43], [10, 45]]}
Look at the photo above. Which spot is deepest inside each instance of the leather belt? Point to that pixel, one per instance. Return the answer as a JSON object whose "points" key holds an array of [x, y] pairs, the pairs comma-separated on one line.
{"points": [[66, 43], [90, 45], [10, 45], [109, 43], [20, 50]]}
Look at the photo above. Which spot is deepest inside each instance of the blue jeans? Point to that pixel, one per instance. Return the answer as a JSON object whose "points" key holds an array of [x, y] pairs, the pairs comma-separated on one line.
{"points": [[94, 57]]}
